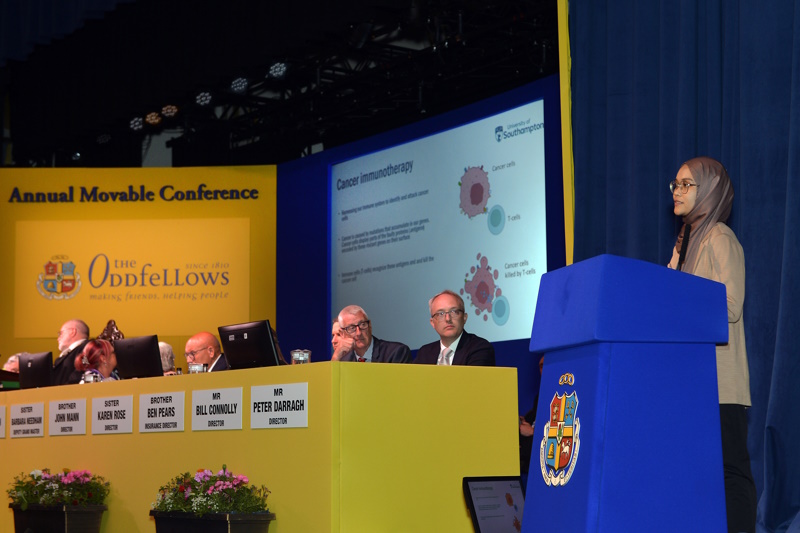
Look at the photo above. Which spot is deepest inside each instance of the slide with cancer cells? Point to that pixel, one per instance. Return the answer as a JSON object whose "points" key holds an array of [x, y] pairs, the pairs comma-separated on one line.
{"points": [[463, 210]]}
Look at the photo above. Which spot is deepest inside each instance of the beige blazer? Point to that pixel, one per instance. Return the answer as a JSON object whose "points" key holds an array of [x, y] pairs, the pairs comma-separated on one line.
{"points": [[721, 259]]}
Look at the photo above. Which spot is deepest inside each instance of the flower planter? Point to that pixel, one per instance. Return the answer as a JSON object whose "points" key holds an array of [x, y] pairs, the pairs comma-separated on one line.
{"points": [[176, 522], [66, 518]]}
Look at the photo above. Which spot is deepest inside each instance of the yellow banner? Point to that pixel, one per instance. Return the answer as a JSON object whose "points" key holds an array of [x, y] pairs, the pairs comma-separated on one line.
{"points": [[145, 277], [166, 251]]}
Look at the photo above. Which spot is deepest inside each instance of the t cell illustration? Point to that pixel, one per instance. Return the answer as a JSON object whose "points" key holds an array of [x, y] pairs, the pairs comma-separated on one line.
{"points": [[474, 191], [496, 219]]}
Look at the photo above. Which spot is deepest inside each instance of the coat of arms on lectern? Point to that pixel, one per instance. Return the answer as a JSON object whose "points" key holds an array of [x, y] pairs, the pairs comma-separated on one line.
{"points": [[558, 452]]}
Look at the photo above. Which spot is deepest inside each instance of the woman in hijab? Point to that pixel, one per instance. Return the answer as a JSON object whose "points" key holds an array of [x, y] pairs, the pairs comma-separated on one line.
{"points": [[706, 247]]}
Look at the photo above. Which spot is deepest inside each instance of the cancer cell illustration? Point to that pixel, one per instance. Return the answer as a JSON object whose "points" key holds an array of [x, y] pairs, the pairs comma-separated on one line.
{"points": [[483, 293], [475, 191]]}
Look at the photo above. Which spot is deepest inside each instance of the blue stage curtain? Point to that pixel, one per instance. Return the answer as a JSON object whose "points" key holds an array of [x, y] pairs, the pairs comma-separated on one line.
{"points": [[657, 83]]}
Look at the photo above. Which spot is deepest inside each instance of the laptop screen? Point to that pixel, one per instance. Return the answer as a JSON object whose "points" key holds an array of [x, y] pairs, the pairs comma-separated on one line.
{"points": [[495, 503]]}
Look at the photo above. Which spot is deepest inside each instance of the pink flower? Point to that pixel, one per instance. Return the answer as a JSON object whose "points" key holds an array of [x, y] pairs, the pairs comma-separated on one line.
{"points": [[202, 475]]}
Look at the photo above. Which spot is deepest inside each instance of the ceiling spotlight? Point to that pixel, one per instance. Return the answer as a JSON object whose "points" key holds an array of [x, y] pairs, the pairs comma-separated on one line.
{"points": [[203, 98], [153, 118], [103, 138], [169, 111], [239, 85], [277, 70], [136, 124]]}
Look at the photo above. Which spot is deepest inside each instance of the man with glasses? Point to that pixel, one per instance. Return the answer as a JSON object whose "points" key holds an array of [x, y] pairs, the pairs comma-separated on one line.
{"points": [[455, 346], [204, 348], [358, 344], [72, 337]]}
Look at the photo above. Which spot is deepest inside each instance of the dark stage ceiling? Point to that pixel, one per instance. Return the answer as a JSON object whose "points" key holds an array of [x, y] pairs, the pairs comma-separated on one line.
{"points": [[351, 70]]}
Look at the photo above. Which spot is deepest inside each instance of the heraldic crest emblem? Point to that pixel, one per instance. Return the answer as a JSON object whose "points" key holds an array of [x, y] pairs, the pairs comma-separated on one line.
{"points": [[558, 452], [59, 281]]}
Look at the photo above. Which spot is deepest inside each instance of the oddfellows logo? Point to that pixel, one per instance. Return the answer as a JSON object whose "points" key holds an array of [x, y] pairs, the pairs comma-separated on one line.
{"points": [[59, 281], [561, 442]]}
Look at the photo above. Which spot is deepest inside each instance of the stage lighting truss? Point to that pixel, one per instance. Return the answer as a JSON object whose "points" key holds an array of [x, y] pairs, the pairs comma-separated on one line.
{"points": [[370, 77], [388, 73], [384, 77]]}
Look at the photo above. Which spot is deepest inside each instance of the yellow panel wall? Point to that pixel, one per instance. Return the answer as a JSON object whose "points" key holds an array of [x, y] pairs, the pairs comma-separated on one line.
{"points": [[410, 433], [385, 448]]}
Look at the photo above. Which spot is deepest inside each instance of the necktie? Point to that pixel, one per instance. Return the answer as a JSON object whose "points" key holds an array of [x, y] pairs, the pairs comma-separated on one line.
{"points": [[443, 357], [361, 359]]}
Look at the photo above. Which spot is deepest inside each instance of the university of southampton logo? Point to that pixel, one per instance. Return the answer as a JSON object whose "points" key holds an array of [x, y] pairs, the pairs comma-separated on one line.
{"points": [[59, 281], [561, 442], [498, 133]]}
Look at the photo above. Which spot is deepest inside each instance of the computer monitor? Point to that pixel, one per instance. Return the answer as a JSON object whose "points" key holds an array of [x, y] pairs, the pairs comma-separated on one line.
{"points": [[9, 380], [138, 357], [35, 370], [249, 345]]}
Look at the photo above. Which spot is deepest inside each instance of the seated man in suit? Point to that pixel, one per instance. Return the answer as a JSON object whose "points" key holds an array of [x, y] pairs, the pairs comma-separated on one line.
{"points": [[455, 346], [204, 348], [72, 337], [358, 344]]}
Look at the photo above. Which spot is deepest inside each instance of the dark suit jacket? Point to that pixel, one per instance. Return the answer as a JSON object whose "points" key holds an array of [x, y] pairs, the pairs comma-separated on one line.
{"points": [[472, 351], [222, 364], [64, 372], [384, 352]]}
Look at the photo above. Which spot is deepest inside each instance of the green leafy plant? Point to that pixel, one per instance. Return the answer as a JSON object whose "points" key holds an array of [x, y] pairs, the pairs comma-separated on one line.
{"points": [[76, 487], [205, 492]]}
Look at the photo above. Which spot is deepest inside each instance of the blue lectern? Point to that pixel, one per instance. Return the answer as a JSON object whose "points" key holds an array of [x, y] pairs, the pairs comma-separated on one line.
{"points": [[627, 434]]}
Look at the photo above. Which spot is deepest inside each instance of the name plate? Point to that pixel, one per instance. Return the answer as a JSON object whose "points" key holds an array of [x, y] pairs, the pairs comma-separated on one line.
{"points": [[217, 409], [112, 415], [67, 417], [279, 406], [161, 412], [27, 420]]}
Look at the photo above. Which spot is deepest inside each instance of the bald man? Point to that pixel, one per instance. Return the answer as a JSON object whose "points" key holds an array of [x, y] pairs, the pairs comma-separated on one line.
{"points": [[72, 337], [204, 348]]}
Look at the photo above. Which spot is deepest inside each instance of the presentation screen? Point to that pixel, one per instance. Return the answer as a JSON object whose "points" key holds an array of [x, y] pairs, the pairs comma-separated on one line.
{"points": [[463, 209]]}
